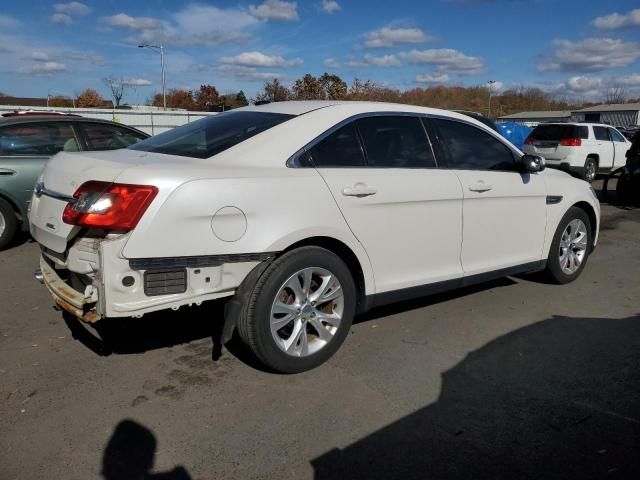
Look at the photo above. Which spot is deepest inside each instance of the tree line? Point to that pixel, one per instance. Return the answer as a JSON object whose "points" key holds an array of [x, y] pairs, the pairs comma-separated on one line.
{"points": [[331, 87]]}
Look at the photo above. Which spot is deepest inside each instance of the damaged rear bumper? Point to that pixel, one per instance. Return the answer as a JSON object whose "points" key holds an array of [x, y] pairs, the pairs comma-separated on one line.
{"points": [[74, 302]]}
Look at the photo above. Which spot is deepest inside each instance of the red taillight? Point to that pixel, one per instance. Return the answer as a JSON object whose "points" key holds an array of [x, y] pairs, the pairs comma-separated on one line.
{"points": [[529, 140], [571, 142], [113, 206]]}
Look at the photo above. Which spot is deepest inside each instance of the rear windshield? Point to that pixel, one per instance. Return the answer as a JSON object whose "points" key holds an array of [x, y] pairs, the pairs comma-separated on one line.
{"points": [[559, 132], [209, 136]]}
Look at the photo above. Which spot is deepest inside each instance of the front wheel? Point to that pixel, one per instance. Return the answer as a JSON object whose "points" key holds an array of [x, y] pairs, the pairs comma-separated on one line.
{"points": [[299, 311], [570, 247]]}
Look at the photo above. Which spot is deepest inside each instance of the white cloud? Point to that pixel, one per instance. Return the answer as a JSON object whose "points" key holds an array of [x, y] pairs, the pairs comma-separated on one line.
{"points": [[7, 21], [632, 80], [193, 26], [589, 55], [201, 19], [39, 56], [615, 20], [136, 82], [432, 79], [61, 19], [373, 61], [122, 20], [251, 73], [382, 61], [276, 10], [72, 8], [390, 37], [447, 60], [331, 63], [330, 6], [44, 68], [593, 88], [259, 59]]}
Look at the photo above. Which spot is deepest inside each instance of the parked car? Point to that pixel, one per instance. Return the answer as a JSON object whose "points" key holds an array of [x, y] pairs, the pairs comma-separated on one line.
{"points": [[628, 185], [302, 214], [583, 149], [29, 139]]}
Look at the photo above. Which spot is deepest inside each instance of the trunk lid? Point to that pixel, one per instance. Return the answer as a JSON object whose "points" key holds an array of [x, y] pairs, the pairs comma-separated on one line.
{"points": [[62, 176]]}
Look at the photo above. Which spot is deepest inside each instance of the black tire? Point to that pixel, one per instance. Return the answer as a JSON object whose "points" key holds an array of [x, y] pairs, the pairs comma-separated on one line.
{"points": [[255, 317], [10, 224], [590, 169], [554, 269]]}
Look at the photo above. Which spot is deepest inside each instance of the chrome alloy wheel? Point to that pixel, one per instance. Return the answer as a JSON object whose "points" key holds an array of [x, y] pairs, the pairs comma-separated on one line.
{"points": [[590, 173], [3, 224], [573, 246], [307, 311]]}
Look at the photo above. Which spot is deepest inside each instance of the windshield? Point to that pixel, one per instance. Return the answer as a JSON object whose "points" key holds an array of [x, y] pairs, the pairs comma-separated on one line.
{"points": [[209, 136], [559, 132]]}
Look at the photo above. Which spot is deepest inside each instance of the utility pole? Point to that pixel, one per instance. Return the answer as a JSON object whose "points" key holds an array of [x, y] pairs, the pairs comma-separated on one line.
{"points": [[490, 82], [159, 48]]}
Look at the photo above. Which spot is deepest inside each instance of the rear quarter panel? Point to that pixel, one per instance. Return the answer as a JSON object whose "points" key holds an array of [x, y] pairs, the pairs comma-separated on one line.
{"points": [[280, 206]]}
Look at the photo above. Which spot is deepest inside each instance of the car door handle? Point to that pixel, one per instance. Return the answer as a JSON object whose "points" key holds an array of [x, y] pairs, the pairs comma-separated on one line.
{"points": [[480, 187], [359, 190], [7, 171]]}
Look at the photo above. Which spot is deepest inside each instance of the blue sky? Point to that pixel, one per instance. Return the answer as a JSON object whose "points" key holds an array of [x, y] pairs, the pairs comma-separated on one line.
{"points": [[571, 48]]}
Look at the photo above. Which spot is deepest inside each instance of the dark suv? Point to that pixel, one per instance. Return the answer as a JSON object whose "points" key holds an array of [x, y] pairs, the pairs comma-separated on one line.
{"points": [[29, 139]]}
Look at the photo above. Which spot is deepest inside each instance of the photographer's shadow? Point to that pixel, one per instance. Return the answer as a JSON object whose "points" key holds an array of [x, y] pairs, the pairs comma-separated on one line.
{"points": [[130, 455]]}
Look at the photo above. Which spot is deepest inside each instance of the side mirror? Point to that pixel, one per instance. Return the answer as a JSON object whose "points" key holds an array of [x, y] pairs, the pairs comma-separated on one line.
{"points": [[532, 163]]}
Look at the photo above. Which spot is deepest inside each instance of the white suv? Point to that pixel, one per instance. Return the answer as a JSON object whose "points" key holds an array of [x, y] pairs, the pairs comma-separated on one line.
{"points": [[584, 149], [303, 214]]}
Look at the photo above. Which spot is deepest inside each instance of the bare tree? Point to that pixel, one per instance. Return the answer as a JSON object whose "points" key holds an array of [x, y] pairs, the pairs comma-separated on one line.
{"points": [[117, 86], [615, 93]]}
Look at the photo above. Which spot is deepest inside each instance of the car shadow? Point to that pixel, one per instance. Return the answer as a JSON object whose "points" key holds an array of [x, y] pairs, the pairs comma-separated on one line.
{"points": [[165, 329], [555, 400]]}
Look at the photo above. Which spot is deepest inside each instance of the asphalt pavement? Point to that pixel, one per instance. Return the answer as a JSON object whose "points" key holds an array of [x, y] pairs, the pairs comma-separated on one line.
{"points": [[512, 379]]}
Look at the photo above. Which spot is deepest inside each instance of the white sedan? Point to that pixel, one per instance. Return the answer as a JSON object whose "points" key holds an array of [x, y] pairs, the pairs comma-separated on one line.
{"points": [[303, 214]]}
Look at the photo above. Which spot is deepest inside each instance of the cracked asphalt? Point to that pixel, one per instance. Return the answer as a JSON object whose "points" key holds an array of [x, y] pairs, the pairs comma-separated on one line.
{"points": [[511, 379]]}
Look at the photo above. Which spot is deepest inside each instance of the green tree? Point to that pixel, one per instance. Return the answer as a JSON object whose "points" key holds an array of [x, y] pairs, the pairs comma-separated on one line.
{"points": [[241, 99], [273, 91]]}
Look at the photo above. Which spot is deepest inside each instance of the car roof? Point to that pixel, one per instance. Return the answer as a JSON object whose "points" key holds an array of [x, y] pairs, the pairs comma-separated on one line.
{"points": [[56, 117], [584, 124], [301, 107]]}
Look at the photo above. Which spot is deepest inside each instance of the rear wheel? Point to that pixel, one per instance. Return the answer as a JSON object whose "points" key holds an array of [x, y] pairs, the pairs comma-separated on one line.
{"points": [[8, 224], [570, 247], [300, 310], [590, 169]]}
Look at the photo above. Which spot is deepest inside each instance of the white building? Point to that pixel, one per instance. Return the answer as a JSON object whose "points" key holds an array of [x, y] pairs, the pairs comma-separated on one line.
{"points": [[532, 119], [615, 114]]}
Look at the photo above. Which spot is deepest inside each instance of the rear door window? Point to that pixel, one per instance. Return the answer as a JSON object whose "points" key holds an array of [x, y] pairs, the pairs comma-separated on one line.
{"points": [[601, 133], [616, 136], [395, 142], [101, 136], [340, 149], [37, 139], [464, 146]]}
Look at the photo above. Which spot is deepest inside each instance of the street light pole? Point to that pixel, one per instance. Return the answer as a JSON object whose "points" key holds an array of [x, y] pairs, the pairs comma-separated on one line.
{"points": [[490, 82], [159, 48]]}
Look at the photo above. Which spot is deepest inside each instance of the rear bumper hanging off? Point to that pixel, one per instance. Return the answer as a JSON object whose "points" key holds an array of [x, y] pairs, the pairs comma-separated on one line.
{"points": [[64, 296]]}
